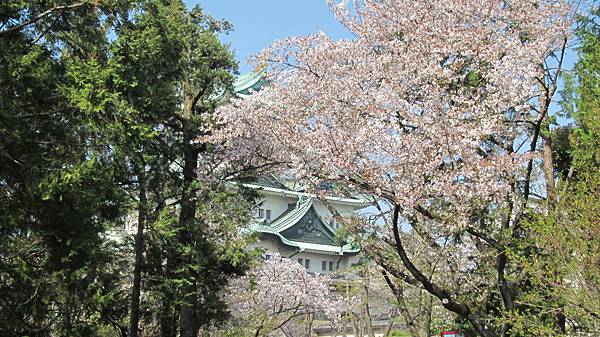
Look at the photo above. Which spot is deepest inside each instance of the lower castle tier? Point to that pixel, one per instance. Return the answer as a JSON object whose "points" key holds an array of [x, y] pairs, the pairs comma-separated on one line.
{"points": [[298, 226]]}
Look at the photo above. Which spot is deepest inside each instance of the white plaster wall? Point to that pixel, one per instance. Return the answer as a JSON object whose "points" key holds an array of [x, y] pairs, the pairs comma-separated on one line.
{"points": [[276, 204], [271, 245], [316, 260], [268, 244], [349, 261]]}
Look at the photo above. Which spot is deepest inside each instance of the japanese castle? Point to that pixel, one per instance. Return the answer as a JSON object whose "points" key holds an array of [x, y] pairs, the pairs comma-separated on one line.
{"points": [[296, 224]]}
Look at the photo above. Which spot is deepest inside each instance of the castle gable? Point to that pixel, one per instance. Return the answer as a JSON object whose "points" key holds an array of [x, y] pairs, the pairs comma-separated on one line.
{"points": [[310, 228]]}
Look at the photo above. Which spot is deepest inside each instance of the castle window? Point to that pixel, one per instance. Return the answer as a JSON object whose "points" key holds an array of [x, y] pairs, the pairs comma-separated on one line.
{"points": [[268, 217], [323, 265], [307, 263], [330, 266], [301, 261], [261, 213]]}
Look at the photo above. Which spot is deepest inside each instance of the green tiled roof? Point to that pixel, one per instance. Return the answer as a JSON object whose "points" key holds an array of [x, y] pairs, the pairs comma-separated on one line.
{"points": [[242, 86], [247, 82], [307, 246], [357, 202], [290, 218]]}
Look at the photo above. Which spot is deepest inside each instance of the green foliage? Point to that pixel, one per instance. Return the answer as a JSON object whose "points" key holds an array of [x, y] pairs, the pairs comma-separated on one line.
{"points": [[559, 252], [58, 273], [93, 95]]}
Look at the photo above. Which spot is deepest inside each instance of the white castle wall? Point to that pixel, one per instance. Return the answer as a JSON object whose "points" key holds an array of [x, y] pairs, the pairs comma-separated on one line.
{"points": [[279, 204], [271, 245]]}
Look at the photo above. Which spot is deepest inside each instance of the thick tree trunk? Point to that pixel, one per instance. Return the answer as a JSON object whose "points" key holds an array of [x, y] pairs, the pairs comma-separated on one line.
{"points": [[548, 160], [188, 322], [139, 251], [551, 195]]}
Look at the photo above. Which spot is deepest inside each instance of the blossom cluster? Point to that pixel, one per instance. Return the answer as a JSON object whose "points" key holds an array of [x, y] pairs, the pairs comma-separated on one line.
{"points": [[422, 106], [278, 290]]}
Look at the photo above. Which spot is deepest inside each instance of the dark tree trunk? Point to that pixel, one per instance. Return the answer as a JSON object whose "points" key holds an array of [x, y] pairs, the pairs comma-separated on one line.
{"points": [[139, 251], [187, 317]]}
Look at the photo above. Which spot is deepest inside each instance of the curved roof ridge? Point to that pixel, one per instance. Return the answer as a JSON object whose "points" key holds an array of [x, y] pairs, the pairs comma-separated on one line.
{"points": [[315, 247], [248, 82], [355, 202], [290, 219]]}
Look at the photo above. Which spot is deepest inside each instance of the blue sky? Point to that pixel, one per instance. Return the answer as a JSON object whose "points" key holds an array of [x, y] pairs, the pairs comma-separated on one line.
{"points": [[260, 22]]}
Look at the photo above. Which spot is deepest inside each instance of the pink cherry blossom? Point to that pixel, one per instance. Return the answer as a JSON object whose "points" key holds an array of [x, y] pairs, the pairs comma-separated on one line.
{"points": [[421, 105], [422, 111], [278, 291]]}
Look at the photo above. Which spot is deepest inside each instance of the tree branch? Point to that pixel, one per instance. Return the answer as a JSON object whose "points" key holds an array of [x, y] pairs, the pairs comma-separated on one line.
{"points": [[484, 237], [434, 289], [442, 294], [40, 16]]}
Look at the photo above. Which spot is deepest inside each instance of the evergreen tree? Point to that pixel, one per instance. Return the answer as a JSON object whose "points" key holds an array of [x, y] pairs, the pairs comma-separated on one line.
{"points": [[102, 103], [58, 193]]}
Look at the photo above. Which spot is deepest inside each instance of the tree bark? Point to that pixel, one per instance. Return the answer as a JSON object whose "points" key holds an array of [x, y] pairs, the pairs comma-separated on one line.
{"points": [[367, 314], [548, 167], [548, 160], [442, 294], [188, 322], [139, 251]]}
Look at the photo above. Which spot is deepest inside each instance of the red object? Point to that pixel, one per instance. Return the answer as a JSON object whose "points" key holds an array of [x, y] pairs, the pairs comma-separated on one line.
{"points": [[453, 334]]}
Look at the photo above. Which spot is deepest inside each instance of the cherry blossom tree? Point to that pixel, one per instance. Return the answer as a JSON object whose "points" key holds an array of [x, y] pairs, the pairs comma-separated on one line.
{"points": [[367, 299], [429, 109], [272, 297]]}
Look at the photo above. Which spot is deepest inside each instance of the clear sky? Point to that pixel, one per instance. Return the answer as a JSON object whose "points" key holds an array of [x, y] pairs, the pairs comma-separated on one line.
{"points": [[260, 22]]}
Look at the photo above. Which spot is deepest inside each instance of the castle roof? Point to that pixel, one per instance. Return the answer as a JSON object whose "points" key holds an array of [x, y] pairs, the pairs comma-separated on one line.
{"points": [[245, 83], [277, 186], [303, 228]]}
